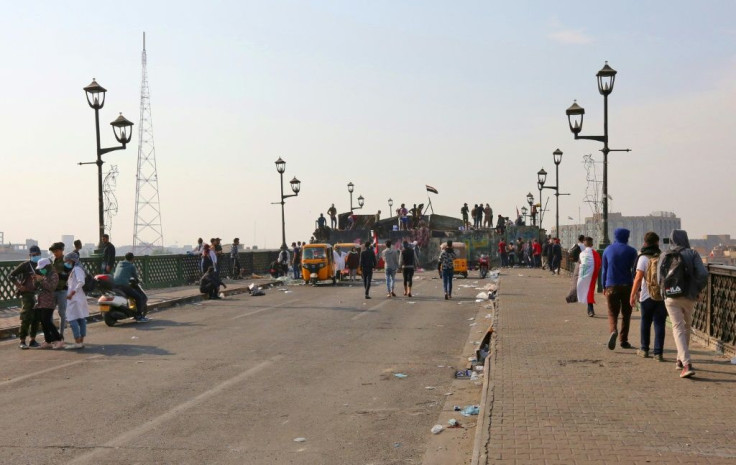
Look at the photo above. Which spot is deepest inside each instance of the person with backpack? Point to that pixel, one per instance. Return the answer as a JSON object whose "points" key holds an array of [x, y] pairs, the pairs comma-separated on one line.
{"points": [[646, 288], [446, 266], [25, 284], [407, 260], [589, 267], [77, 309], [619, 260], [682, 276]]}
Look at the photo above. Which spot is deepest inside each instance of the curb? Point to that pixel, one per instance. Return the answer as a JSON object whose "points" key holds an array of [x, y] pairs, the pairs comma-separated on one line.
{"points": [[483, 427], [8, 333]]}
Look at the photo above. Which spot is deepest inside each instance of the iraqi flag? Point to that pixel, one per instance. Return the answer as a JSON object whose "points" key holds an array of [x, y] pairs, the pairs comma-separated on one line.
{"points": [[590, 265], [431, 189]]}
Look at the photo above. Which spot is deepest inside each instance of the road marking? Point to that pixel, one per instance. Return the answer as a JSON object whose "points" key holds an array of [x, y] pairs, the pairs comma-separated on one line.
{"points": [[47, 370], [264, 309], [172, 413], [367, 311]]}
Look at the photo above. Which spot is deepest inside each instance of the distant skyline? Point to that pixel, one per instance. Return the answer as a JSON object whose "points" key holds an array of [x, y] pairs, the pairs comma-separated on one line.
{"points": [[468, 97]]}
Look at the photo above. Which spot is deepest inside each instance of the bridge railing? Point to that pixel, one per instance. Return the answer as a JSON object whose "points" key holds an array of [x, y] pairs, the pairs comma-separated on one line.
{"points": [[155, 271]]}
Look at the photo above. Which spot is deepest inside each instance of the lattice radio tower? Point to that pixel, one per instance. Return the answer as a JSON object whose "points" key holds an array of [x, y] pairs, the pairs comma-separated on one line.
{"points": [[148, 235]]}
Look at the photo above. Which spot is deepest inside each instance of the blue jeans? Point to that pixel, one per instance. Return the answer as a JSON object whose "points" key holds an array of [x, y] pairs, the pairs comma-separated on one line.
{"points": [[447, 281], [297, 270], [390, 279], [656, 312], [60, 297], [79, 328]]}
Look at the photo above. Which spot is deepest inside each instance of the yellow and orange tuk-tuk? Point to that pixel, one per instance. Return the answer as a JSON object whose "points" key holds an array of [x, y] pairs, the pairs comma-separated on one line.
{"points": [[461, 258], [317, 263]]}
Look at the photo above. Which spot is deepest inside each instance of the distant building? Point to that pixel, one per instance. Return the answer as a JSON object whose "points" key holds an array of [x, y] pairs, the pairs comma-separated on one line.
{"points": [[68, 241], [2, 238], [660, 222]]}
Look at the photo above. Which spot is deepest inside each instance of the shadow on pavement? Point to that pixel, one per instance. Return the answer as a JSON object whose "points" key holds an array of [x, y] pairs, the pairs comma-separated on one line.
{"points": [[124, 350]]}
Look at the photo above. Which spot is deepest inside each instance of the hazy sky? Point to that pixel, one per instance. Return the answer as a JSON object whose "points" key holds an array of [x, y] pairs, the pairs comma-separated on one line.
{"points": [[469, 97]]}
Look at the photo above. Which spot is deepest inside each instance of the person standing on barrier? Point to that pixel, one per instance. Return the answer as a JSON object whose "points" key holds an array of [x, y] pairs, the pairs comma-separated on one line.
{"points": [[407, 261], [446, 265], [682, 276], [25, 283], [57, 249], [619, 260], [367, 263], [47, 279], [391, 264], [77, 309]]}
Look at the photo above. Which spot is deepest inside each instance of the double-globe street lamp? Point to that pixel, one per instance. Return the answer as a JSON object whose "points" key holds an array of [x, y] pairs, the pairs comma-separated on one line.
{"points": [[361, 200], [542, 179], [296, 186], [530, 201], [606, 78], [121, 127]]}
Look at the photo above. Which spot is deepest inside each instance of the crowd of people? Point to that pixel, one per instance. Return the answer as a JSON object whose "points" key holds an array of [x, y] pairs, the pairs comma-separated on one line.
{"points": [[56, 283], [531, 254], [662, 283]]}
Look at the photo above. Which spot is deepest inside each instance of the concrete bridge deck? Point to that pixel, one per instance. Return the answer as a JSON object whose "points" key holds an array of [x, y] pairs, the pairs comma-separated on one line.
{"points": [[557, 395]]}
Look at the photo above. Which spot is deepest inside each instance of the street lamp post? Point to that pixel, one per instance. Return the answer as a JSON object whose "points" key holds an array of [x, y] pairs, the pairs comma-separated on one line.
{"points": [[121, 127], [361, 200], [390, 207], [606, 77], [530, 201], [296, 186], [542, 179]]}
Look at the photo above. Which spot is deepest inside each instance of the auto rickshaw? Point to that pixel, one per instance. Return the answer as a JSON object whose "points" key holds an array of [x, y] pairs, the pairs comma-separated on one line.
{"points": [[461, 259], [317, 263]]}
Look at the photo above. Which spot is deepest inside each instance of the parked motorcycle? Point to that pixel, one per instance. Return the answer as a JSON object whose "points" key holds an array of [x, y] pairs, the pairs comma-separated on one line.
{"points": [[483, 265], [114, 304]]}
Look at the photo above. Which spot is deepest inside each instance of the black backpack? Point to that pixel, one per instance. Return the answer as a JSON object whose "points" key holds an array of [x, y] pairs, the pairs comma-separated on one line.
{"points": [[575, 253], [674, 274], [89, 282]]}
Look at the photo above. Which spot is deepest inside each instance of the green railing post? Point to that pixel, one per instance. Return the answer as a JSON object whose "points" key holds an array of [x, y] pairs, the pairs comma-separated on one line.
{"points": [[180, 270], [146, 280]]}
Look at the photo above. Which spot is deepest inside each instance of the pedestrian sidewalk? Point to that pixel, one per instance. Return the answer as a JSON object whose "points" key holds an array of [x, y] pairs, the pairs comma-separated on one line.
{"points": [[157, 300], [557, 395]]}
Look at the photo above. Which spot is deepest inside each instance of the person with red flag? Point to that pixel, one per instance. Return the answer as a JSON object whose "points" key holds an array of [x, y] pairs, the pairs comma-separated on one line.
{"points": [[590, 265]]}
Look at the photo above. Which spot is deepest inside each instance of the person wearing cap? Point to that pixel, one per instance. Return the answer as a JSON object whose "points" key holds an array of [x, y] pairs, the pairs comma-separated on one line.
{"points": [[446, 265], [77, 309], [47, 279], [23, 277], [57, 249], [124, 271]]}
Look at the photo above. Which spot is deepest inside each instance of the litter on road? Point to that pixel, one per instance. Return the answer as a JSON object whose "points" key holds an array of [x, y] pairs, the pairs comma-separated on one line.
{"points": [[300, 439], [437, 429], [470, 410], [401, 375]]}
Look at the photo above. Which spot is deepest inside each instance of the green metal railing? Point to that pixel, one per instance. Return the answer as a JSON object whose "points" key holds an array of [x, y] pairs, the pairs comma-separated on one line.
{"points": [[155, 271]]}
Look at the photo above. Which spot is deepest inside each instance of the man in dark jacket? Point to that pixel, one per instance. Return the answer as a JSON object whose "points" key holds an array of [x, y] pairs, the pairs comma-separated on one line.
{"points": [[123, 272], [23, 275], [680, 309], [619, 260], [108, 255], [367, 263]]}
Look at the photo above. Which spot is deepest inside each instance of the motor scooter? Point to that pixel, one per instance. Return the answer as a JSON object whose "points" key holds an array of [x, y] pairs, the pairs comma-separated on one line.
{"points": [[483, 266], [114, 304]]}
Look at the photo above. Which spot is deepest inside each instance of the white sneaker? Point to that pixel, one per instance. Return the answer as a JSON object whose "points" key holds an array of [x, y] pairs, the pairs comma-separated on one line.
{"points": [[74, 346]]}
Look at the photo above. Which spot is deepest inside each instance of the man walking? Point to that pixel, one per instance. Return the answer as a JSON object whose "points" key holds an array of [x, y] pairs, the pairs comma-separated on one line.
{"points": [[391, 264], [619, 260], [681, 277], [589, 267], [108, 255], [646, 288], [574, 256], [367, 263]]}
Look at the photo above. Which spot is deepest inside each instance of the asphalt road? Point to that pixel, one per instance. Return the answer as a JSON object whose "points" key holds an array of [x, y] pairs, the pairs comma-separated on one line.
{"points": [[236, 381]]}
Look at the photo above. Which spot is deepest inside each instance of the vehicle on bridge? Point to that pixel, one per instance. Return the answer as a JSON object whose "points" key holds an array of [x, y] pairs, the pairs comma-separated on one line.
{"points": [[461, 259], [317, 263]]}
